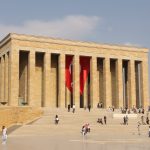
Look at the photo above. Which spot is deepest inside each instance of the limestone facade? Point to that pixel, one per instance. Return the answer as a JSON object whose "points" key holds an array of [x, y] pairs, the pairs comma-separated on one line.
{"points": [[32, 72]]}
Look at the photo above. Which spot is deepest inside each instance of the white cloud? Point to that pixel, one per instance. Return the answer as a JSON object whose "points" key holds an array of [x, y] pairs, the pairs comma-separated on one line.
{"points": [[131, 44], [73, 26]]}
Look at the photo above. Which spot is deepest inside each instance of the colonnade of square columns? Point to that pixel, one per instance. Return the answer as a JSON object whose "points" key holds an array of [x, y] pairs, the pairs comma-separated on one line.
{"points": [[9, 80]]}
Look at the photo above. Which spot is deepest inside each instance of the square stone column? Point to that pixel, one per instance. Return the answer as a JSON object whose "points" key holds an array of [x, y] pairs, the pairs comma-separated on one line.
{"points": [[145, 84], [132, 89], [6, 78], [2, 78], [94, 82], [61, 92], [47, 90], [14, 77], [31, 79], [119, 83], [85, 94], [107, 83], [76, 81]]}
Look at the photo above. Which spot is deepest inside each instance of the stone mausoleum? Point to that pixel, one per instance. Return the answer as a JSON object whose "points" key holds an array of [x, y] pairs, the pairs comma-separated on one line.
{"points": [[47, 72]]}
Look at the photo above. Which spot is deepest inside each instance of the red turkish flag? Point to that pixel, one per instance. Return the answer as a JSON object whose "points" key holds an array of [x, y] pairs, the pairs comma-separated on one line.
{"points": [[68, 69], [84, 71]]}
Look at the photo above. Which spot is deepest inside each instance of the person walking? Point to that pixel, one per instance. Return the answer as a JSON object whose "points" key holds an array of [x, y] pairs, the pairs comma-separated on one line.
{"points": [[124, 120], [83, 130], [147, 120], [89, 107], [98, 105], [138, 127], [127, 120], [142, 119], [105, 119], [88, 127], [149, 132], [4, 135], [73, 108], [101, 105], [113, 108], [56, 119], [68, 107]]}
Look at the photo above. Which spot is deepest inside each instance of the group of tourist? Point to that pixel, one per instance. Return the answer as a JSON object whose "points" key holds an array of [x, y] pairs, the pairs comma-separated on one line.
{"points": [[100, 105], [144, 120], [133, 110], [100, 120], [85, 129], [126, 110], [73, 108], [139, 124]]}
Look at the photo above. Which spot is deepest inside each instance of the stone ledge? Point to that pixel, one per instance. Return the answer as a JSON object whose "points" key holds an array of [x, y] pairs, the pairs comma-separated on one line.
{"points": [[18, 115], [122, 115]]}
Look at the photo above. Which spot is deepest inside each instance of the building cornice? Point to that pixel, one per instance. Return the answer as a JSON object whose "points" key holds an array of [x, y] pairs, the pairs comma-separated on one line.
{"points": [[42, 39]]}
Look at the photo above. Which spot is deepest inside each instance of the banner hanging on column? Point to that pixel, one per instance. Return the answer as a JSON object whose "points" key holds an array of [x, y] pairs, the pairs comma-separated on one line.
{"points": [[68, 69], [84, 71]]}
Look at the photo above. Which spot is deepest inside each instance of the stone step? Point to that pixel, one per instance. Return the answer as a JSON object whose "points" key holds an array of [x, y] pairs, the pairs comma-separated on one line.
{"points": [[81, 117], [78, 120], [115, 128], [65, 110]]}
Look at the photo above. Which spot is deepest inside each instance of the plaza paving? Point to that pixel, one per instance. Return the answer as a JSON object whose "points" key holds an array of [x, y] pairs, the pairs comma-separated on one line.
{"points": [[43, 134]]}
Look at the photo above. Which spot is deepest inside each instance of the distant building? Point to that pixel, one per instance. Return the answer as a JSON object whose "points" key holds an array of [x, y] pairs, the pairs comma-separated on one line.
{"points": [[46, 72]]}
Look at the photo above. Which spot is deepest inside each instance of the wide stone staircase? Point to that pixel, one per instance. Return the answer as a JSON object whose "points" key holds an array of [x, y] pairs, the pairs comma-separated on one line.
{"points": [[81, 117], [71, 123]]}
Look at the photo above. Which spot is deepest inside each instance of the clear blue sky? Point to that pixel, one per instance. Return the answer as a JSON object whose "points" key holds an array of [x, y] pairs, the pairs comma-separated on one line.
{"points": [[105, 21]]}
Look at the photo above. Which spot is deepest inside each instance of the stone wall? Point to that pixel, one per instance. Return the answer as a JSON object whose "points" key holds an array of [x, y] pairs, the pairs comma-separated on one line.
{"points": [[15, 115]]}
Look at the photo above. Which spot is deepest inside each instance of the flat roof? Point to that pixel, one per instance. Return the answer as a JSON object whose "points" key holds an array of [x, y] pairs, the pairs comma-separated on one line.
{"points": [[43, 39]]}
